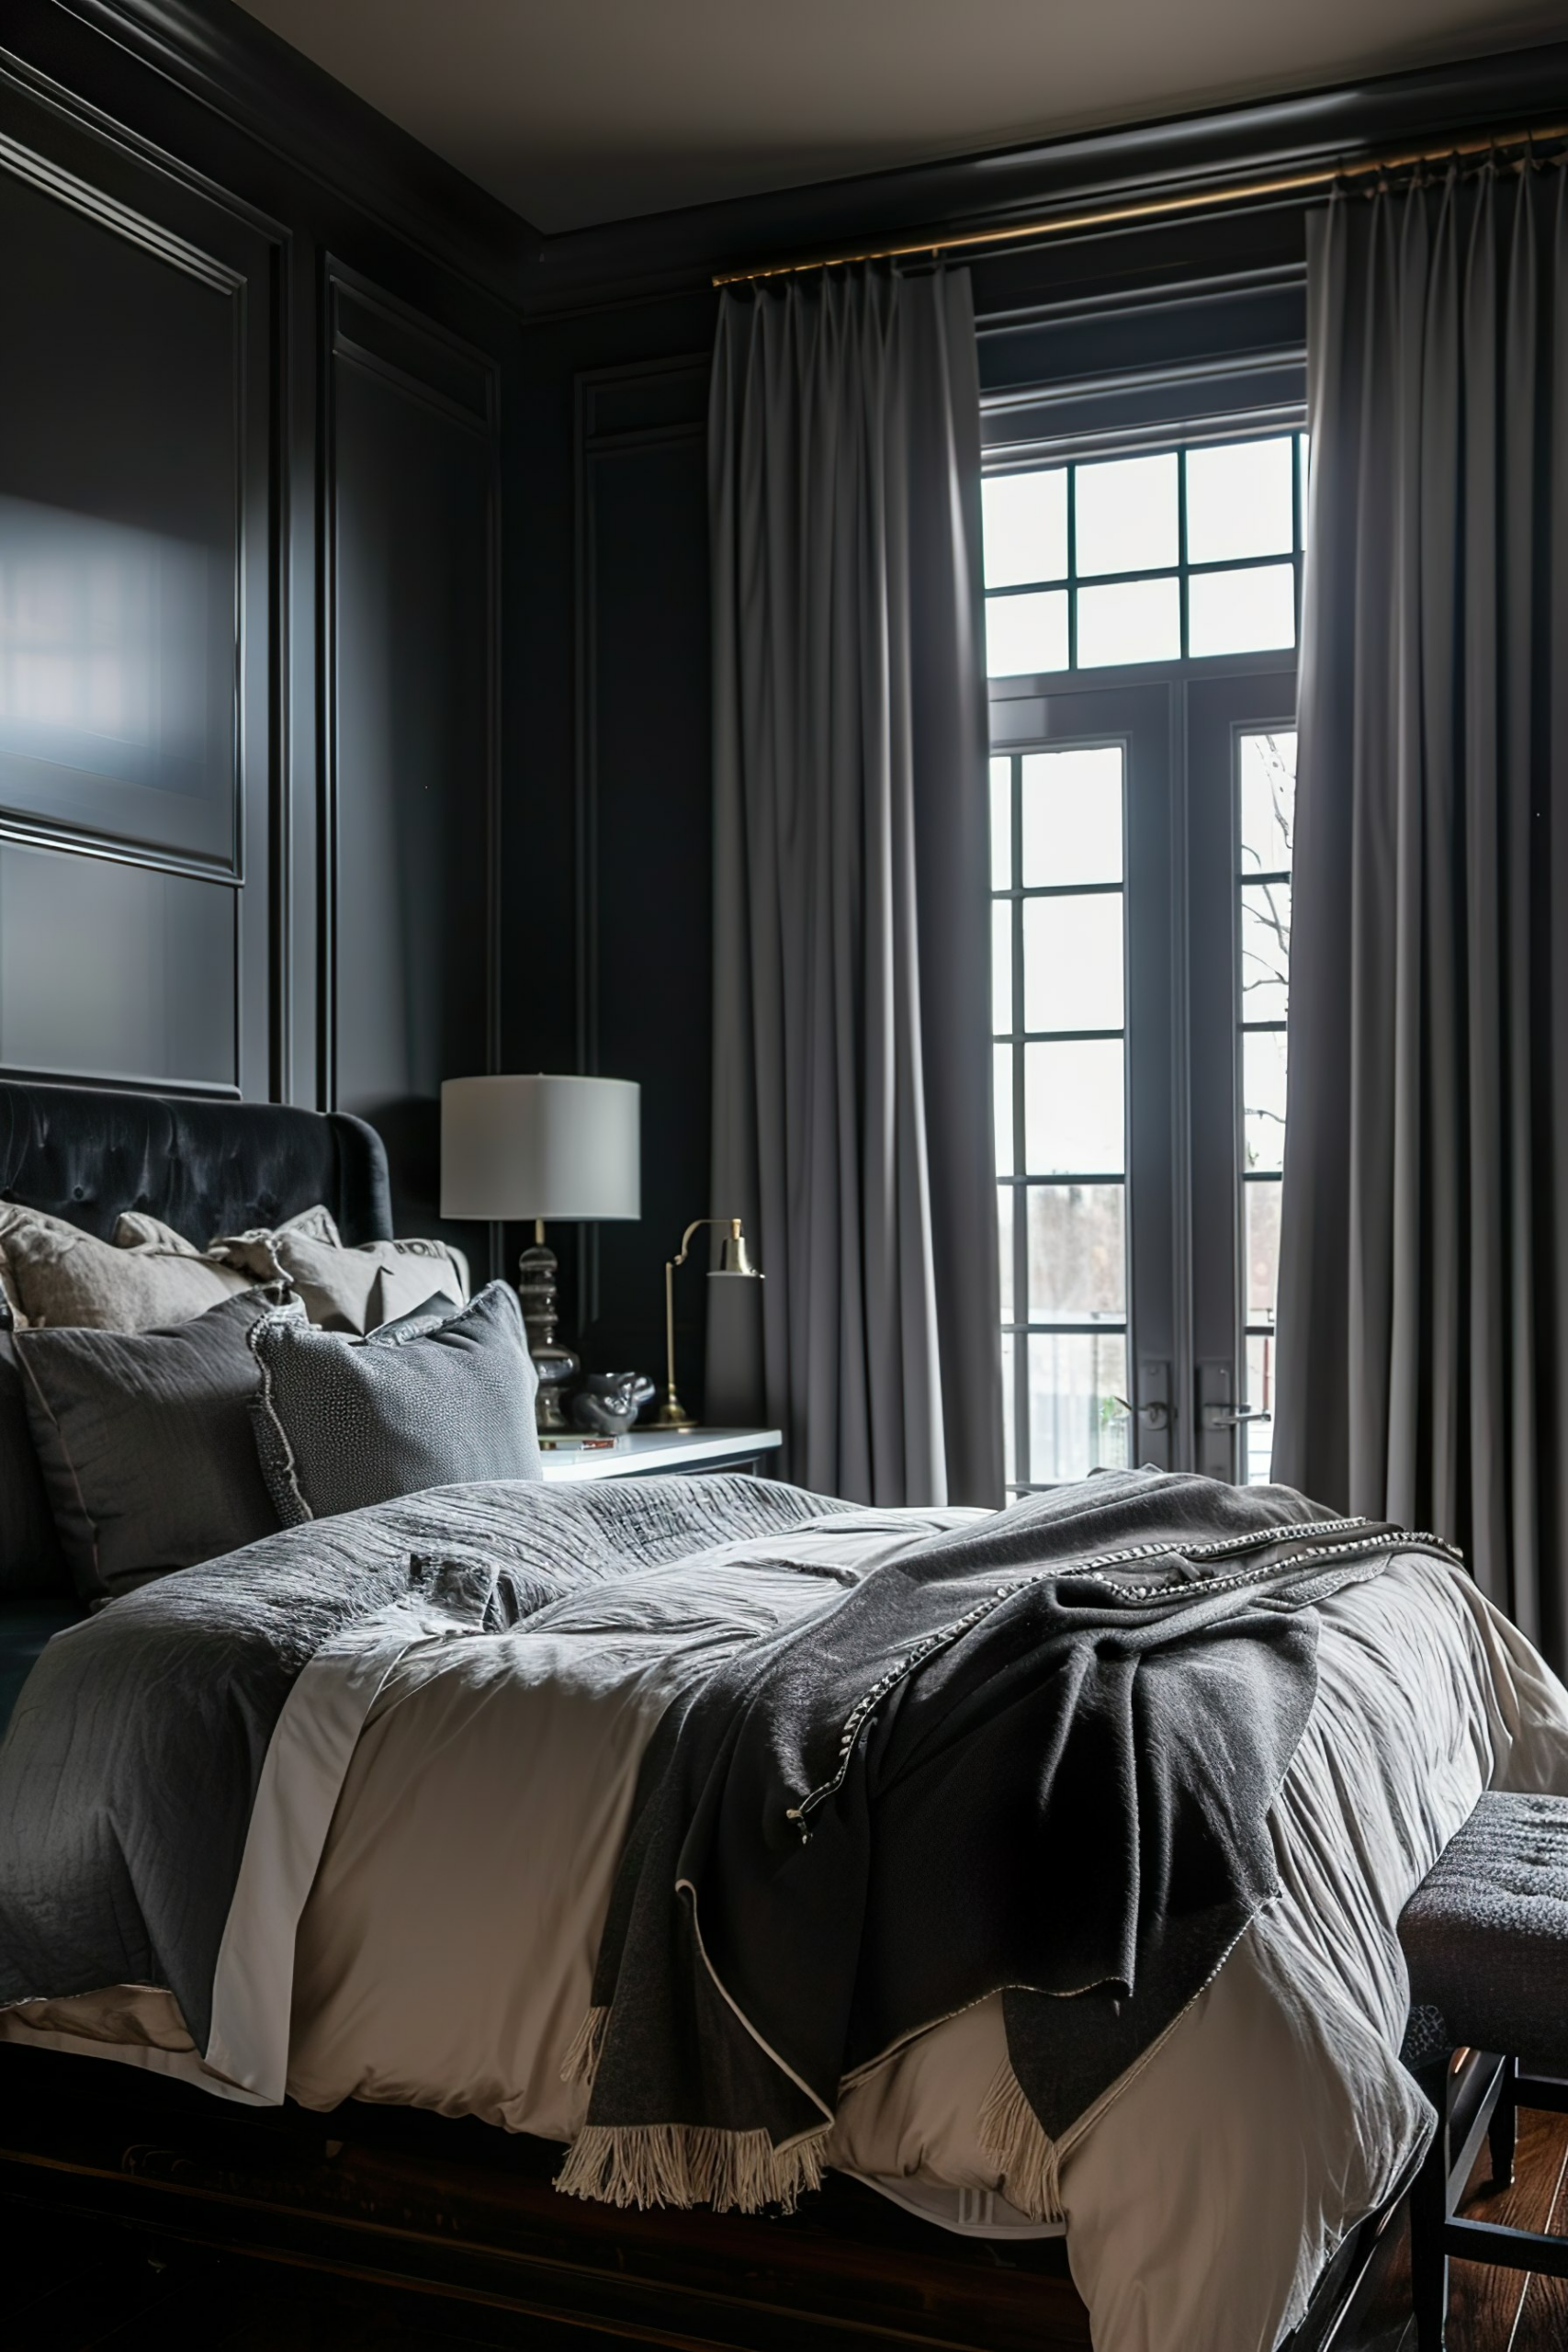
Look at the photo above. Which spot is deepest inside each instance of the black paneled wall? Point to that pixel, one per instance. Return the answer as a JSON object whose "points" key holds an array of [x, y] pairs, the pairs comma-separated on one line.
{"points": [[256, 349], [354, 623]]}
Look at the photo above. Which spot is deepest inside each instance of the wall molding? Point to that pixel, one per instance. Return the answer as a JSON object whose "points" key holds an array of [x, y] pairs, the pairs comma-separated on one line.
{"points": [[340, 282], [234, 65], [608, 404], [594, 440]]}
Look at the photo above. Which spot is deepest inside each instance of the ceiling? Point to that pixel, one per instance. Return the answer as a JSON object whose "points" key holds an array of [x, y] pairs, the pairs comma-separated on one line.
{"points": [[576, 111]]}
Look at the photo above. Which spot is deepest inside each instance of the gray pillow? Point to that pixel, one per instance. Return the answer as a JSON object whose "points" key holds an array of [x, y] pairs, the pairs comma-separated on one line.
{"points": [[144, 1440], [135, 1226], [54, 1275], [357, 1290], [31, 1562], [341, 1422], [346, 1290]]}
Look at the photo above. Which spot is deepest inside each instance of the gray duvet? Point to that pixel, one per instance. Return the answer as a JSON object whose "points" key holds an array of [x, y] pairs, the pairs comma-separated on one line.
{"points": [[437, 1817], [130, 1772]]}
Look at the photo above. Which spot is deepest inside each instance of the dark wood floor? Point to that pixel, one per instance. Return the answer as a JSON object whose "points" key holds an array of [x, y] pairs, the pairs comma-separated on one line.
{"points": [[1489, 2311], [64, 2290], [60, 2296]]}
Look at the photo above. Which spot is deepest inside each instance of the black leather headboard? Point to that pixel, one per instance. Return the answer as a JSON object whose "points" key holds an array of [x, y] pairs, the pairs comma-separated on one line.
{"points": [[86, 1154]]}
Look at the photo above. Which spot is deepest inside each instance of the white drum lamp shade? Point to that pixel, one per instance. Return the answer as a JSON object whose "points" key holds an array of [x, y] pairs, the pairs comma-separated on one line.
{"points": [[544, 1147]]}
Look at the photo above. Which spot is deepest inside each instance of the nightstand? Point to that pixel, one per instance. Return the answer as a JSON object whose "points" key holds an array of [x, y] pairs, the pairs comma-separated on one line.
{"points": [[652, 1453]]}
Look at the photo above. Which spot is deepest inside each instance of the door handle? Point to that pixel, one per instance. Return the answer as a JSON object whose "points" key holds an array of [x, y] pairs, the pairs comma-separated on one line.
{"points": [[1155, 1415], [1215, 1416]]}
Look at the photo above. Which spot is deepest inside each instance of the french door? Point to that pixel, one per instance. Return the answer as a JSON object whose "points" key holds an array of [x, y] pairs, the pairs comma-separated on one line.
{"points": [[1141, 833]]}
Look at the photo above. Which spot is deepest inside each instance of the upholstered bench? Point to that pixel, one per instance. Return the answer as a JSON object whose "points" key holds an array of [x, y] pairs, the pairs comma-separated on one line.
{"points": [[1486, 1941]]}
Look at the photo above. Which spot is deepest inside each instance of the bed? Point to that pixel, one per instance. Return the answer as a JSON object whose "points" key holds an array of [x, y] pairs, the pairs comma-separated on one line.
{"points": [[1215, 2192]]}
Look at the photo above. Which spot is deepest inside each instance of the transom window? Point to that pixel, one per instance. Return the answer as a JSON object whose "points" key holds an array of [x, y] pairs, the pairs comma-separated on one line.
{"points": [[1184, 555]]}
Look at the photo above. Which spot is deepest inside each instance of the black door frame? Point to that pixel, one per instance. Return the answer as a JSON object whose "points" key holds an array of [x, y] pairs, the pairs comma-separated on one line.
{"points": [[1178, 723]]}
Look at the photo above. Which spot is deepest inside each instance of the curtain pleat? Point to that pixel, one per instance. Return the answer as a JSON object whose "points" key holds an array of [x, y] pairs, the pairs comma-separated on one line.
{"points": [[851, 1067], [1423, 1343]]}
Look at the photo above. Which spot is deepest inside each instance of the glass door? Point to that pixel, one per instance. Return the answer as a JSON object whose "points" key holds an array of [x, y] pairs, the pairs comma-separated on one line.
{"points": [[1083, 1039], [1242, 771], [1141, 621]]}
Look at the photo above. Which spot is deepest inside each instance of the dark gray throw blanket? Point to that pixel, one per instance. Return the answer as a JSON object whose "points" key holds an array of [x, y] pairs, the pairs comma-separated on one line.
{"points": [[1036, 1756], [129, 1770]]}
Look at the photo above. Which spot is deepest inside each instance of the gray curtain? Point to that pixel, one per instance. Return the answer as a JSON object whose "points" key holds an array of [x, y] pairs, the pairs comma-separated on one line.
{"points": [[1423, 1366], [851, 1054]]}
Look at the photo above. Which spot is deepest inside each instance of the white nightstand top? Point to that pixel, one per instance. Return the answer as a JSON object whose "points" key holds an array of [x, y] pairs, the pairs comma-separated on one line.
{"points": [[645, 1451]]}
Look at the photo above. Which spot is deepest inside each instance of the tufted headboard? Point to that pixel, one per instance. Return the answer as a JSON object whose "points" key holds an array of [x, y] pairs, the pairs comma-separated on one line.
{"points": [[86, 1154]]}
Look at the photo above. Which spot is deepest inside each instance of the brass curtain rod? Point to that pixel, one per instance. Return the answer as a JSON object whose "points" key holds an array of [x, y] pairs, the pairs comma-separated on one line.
{"points": [[1154, 207]]}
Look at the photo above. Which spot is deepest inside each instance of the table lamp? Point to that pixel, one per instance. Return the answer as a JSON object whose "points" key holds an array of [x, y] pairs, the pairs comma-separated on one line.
{"points": [[734, 1265], [513, 1148]]}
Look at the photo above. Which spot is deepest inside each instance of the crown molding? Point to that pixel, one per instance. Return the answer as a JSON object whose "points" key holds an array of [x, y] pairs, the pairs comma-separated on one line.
{"points": [[214, 53], [669, 252]]}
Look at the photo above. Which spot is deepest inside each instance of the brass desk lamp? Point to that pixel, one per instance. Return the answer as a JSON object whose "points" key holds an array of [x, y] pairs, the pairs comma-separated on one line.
{"points": [[734, 1263]]}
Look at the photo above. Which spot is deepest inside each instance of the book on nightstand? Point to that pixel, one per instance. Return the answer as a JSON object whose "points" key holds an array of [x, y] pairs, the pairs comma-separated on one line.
{"points": [[576, 1443]]}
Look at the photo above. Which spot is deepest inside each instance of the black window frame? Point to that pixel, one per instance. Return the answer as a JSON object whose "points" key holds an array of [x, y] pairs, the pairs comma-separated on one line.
{"points": [[1186, 1318]]}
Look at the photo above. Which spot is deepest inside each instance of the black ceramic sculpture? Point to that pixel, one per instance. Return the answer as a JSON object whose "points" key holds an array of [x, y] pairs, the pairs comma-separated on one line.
{"points": [[609, 1402]]}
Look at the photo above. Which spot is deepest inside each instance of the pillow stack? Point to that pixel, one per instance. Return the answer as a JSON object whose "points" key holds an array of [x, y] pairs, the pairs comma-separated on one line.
{"points": [[53, 1274], [131, 1378], [343, 1290]]}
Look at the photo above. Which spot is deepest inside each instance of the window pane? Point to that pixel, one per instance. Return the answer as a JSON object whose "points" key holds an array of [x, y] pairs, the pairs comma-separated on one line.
{"points": [[1264, 950], [1025, 527], [1137, 620], [1077, 1253], [1257, 1437], [1126, 514], [1239, 612], [1075, 1121], [1001, 1080], [1010, 1411], [1072, 817], [1074, 1422], [1001, 966], [1004, 1246], [1002, 824], [1267, 766], [1026, 633], [1304, 444], [1072, 963], [1263, 1096], [1239, 500], [1260, 1207]]}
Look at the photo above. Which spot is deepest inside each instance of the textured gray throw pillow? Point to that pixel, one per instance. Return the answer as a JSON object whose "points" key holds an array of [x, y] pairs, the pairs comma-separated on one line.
{"points": [[144, 1440], [342, 1422]]}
